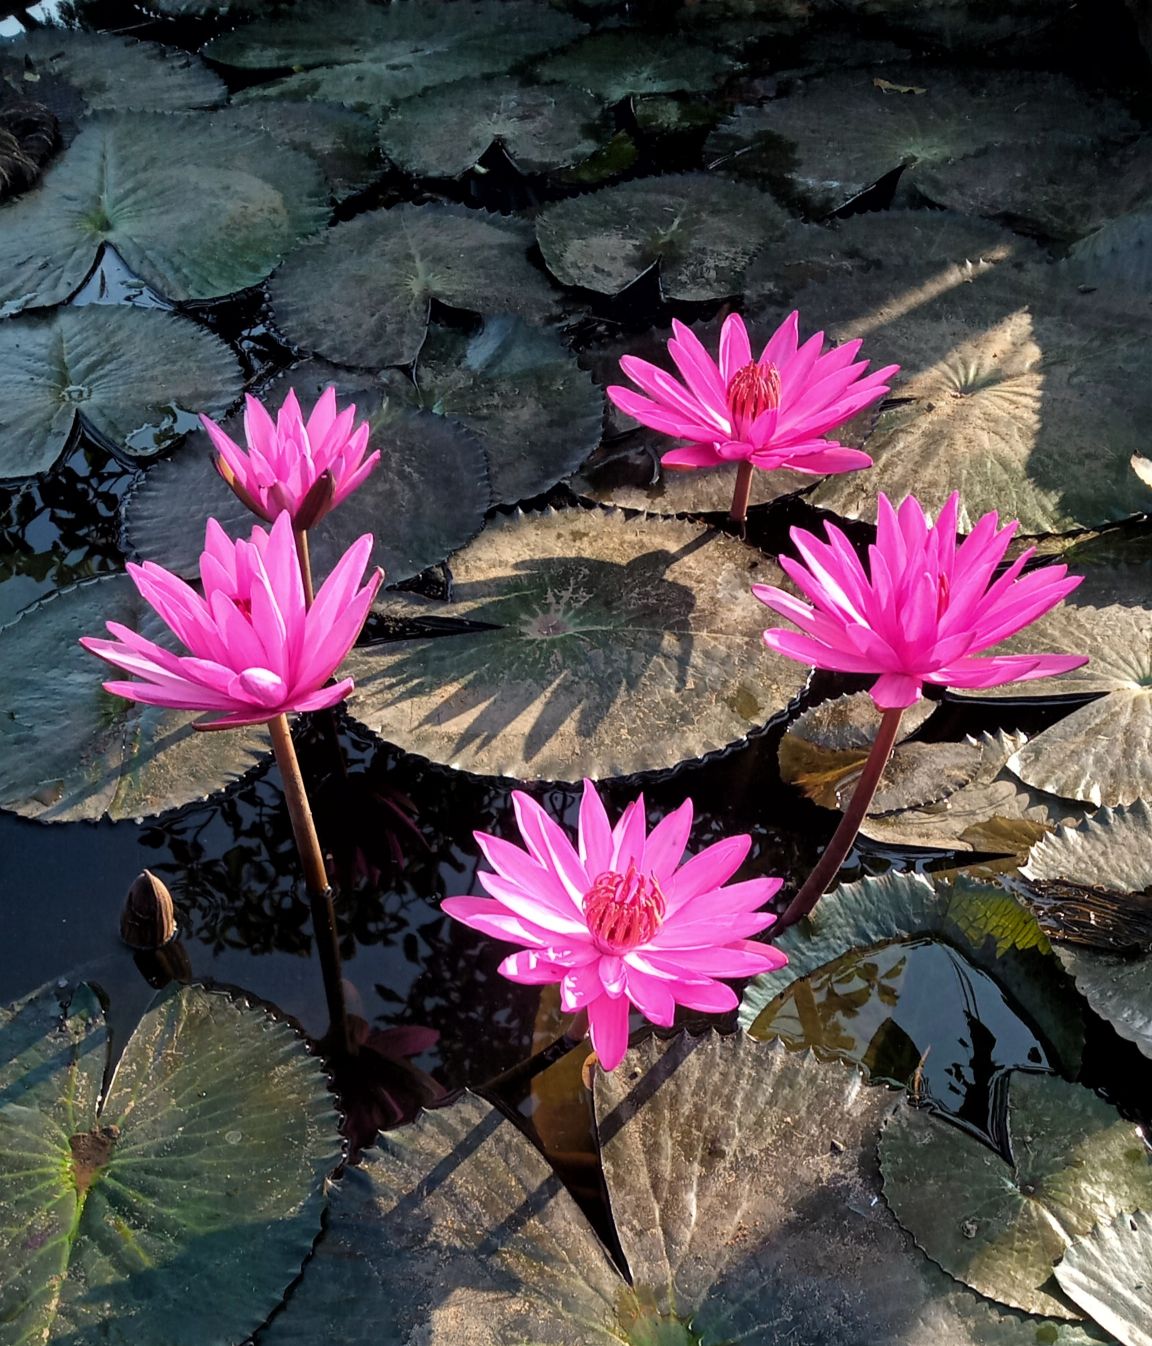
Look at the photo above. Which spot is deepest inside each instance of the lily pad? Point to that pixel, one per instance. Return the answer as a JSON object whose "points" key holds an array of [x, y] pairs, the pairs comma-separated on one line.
{"points": [[962, 24], [362, 294], [128, 375], [69, 749], [341, 142], [1117, 257], [701, 231], [999, 1226], [613, 646], [446, 131], [1108, 1273], [622, 64], [1113, 848], [203, 1163], [194, 206]]}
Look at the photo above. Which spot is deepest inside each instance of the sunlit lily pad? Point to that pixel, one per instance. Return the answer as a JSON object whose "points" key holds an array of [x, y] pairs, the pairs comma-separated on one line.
{"points": [[196, 207], [615, 645], [69, 749], [616, 65], [999, 1226], [361, 295], [446, 131], [203, 1164], [1108, 1273], [130, 376], [701, 231], [340, 141]]}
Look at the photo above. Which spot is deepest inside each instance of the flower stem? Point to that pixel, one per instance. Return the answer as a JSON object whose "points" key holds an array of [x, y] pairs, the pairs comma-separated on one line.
{"points": [[739, 511], [305, 565], [828, 866], [315, 877], [512, 1082]]}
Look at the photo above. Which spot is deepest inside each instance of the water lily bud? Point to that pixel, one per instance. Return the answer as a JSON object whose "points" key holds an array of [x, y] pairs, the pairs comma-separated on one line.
{"points": [[319, 500], [148, 920]]}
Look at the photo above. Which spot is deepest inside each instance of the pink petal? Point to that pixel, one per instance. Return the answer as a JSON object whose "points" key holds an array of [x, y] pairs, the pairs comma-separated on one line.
{"points": [[708, 870], [608, 1026], [595, 848]]}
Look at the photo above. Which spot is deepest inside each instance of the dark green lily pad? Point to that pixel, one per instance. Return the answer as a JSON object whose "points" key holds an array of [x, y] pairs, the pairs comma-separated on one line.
{"points": [[341, 142], [128, 375], [999, 1226], [1117, 257], [69, 749], [1113, 849], [962, 24], [194, 206], [361, 295], [446, 131], [203, 1164], [701, 231], [616, 645], [616, 65], [1108, 1273]]}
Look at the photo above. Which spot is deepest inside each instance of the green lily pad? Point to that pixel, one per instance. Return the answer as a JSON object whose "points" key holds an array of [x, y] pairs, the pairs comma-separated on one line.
{"points": [[701, 231], [614, 646], [69, 749], [194, 206], [127, 375], [1113, 849], [446, 131], [1117, 257], [1108, 1273], [999, 1226], [361, 295], [962, 24], [622, 64], [341, 142], [203, 1164]]}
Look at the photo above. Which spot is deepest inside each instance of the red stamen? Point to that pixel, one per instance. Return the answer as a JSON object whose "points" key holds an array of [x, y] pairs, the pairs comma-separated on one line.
{"points": [[751, 391], [624, 910]]}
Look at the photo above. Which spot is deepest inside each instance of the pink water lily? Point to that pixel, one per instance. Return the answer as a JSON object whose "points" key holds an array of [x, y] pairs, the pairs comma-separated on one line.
{"points": [[254, 651], [305, 467], [772, 412], [922, 609], [617, 920]]}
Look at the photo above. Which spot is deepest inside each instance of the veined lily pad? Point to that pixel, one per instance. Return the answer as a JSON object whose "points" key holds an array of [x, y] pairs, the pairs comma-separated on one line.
{"points": [[456, 1230], [615, 646], [446, 131], [1112, 849], [616, 65], [194, 206], [69, 749], [1108, 1273], [1118, 256], [999, 1226], [341, 142], [361, 295], [203, 1164], [702, 231], [126, 374]]}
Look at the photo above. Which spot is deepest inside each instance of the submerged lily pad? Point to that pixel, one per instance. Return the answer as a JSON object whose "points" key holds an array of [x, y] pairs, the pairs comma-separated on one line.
{"points": [[362, 294], [69, 749], [341, 142], [701, 231], [203, 1164], [999, 1226], [614, 646], [622, 64], [1108, 1273], [196, 208], [126, 374]]}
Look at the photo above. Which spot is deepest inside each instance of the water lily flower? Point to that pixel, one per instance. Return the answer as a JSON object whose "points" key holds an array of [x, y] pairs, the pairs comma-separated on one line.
{"points": [[254, 651], [922, 609], [303, 467], [617, 920]]}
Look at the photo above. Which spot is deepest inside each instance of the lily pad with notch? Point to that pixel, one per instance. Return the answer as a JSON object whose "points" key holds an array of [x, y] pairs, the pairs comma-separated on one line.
{"points": [[1108, 1274], [203, 1162], [619, 64]]}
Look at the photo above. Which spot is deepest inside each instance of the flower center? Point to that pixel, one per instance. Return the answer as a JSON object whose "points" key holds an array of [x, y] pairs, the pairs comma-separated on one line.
{"points": [[751, 391], [624, 910]]}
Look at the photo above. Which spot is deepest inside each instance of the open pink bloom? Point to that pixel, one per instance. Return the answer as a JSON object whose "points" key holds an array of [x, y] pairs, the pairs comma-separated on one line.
{"points": [[774, 411], [923, 608], [617, 920], [304, 467], [255, 652]]}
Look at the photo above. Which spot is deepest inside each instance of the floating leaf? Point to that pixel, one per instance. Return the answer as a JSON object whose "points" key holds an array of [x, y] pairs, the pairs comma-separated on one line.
{"points": [[614, 645], [616, 65], [1118, 256], [999, 1226], [341, 142], [361, 295], [962, 24], [203, 1164], [1108, 1273], [125, 374], [194, 206], [69, 749], [701, 231], [446, 131]]}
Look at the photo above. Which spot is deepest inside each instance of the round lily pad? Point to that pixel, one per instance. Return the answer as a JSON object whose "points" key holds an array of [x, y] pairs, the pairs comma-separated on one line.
{"points": [[613, 646], [203, 1164], [341, 142], [128, 375], [69, 749], [701, 231], [446, 131], [998, 1226], [196, 208], [361, 295], [1108, 1273], [616, 65]]}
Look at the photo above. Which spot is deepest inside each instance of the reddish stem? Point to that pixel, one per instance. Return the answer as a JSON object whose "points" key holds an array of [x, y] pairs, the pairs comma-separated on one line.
{"points": [[305, 565], [739, 511]]}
